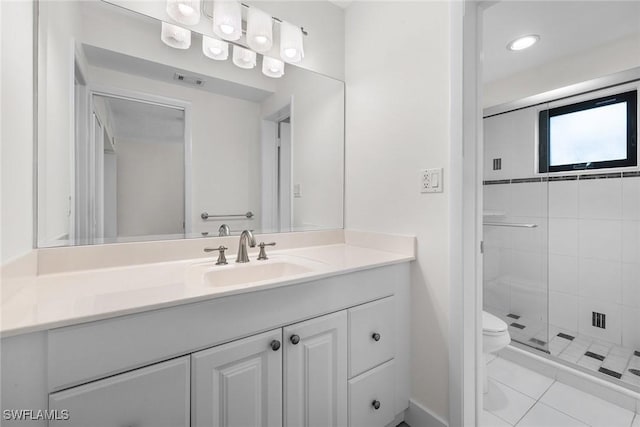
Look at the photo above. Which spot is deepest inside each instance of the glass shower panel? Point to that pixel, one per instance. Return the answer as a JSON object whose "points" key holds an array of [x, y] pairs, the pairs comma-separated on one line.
{"points": [[515, 217]]}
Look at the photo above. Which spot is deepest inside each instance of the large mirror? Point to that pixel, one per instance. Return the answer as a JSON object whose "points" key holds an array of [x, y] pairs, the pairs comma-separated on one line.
{"points": [[141, 141]]}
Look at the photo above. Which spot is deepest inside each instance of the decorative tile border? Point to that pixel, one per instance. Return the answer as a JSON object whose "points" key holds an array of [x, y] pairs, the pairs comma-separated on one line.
{"points": [[497, 181], [601, 176], [555, 178], [523, 180], [563, 178]]}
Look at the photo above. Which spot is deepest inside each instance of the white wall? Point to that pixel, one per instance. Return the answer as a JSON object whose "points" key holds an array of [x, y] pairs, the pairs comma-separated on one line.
{"points": [[17, 133], [318, 146], [56, 131], [611, 58], [397, 123], [150, 188]]}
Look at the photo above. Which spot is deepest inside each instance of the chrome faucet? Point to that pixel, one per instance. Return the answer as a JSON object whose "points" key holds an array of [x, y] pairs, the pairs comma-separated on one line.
{"points": [[224, 230], [242, 247]]}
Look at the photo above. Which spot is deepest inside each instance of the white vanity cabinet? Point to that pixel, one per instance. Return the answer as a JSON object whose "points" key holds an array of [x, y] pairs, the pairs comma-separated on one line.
{"points": [[316, 372], [239, 384], [154, 396], [331, 352]]}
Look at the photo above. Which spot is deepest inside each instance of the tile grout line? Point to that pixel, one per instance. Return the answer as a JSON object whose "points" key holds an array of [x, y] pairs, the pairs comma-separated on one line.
{"points": [[526, 395], [584, 422], [537, 402], [563, 413]]}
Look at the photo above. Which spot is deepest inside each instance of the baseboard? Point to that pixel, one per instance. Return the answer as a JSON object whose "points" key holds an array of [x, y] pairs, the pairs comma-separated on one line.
{"points": [[419, 416], [397, 420]]}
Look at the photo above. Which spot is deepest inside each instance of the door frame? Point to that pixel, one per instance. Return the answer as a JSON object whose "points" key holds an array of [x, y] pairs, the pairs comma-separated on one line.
{"points": [[269, 140], [465, 309], [133, 95]]}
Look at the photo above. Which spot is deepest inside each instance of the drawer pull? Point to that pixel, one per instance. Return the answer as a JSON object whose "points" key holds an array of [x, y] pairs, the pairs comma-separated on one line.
{"points": [[376, 404], [275, 345], [295, 339], [376, 336]]}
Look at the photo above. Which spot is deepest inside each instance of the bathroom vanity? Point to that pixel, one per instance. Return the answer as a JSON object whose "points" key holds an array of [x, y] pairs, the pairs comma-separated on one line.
{"points": [[323, 344]]}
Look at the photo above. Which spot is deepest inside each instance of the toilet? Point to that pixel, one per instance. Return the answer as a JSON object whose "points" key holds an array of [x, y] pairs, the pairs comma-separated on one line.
{"points": [[495, 336]]}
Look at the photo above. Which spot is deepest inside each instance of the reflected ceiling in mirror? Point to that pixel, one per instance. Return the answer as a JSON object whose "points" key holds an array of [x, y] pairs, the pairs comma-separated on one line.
{"points": [[140, 141]]}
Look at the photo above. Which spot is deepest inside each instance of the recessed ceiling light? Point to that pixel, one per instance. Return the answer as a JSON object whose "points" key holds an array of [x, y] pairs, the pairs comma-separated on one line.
{"points": [[524, 42]]}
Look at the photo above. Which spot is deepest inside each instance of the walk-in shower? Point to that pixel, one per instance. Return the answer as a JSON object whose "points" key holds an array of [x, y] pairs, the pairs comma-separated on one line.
{"points": [[562, 227], [561, 184]]}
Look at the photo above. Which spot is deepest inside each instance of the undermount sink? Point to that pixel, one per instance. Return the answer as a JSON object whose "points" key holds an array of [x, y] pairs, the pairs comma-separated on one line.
{"points": [[210, 275]]}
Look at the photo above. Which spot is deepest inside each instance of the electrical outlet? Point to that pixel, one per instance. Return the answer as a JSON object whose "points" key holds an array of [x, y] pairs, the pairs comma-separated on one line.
{"points": [[431, 180]]}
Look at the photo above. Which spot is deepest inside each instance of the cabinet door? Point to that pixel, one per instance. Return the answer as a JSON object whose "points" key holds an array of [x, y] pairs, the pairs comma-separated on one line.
{"points": [[316, 372], [239, 384], [155, 396]]}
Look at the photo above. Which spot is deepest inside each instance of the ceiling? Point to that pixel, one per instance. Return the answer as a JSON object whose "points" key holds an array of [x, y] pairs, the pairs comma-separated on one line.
{"points": [[143, 122], [341, 3], [116, 61], [565, 28]]}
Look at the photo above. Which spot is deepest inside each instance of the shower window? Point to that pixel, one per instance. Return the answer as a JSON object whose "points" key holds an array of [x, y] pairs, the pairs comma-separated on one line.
{"points": [[595, 134]]}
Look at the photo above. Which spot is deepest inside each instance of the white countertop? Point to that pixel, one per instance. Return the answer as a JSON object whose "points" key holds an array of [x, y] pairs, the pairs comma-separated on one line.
{"points": [[36, 303]]}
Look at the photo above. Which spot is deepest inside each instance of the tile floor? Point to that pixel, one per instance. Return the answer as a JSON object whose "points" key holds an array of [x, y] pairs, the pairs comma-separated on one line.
{"points": [[619, 363], [520, 397]]}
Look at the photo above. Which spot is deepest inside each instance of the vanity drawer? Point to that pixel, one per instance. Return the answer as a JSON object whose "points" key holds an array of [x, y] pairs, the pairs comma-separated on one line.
{"points": [[371, 337], [157, 395], [371, 390]]}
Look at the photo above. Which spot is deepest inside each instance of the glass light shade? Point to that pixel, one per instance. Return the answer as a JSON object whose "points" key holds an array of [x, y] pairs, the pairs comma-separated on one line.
{"points": [[215, 49], [291, 48], [259, 30], [186, 12], [272, 67], [244, 58], [176, 37], [227, 19]]}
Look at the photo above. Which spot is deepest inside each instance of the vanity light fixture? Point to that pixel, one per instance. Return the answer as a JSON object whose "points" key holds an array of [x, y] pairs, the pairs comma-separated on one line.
{"points": [[244, 58], [214, 48], [227, 19], [186, 12], [259, 30], [523, 42], [272, 67], [227, 25], [291, 48], [176, 37]]}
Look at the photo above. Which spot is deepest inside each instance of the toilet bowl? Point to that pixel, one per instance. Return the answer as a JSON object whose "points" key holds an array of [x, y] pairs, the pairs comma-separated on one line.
{"points": [[495, 336]]}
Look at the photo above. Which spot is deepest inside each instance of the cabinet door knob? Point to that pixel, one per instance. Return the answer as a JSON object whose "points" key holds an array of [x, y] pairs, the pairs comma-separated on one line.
{"points": [[295, 339], [275, 345], [376, 336], [376, 404]]}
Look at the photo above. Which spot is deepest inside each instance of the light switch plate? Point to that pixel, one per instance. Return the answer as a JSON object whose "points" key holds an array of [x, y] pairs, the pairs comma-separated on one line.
{"points": [[431, 180]]}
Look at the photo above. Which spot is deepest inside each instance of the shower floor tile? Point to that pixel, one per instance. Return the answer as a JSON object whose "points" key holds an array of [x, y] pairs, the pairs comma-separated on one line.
{"points": [[618, 363], [523, 398]]}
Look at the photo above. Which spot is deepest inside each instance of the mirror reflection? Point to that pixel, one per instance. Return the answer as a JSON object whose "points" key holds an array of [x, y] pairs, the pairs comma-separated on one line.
{"points": [[141, 141]]}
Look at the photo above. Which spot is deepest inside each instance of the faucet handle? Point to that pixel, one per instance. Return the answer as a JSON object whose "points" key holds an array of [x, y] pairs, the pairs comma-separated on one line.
{"points": [[263, 254], [222, 259]]}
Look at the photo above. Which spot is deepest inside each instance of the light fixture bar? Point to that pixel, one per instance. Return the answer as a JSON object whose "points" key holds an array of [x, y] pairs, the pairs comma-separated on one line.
{"points": [[210, 15]]}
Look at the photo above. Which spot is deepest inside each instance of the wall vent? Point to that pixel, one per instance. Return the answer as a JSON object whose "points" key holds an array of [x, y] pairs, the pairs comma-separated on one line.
{"points": [[598, 320], [196, 81]]}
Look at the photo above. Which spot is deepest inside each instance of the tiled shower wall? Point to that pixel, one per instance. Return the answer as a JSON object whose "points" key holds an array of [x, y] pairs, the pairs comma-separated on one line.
{"points": [[585, 248]]}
